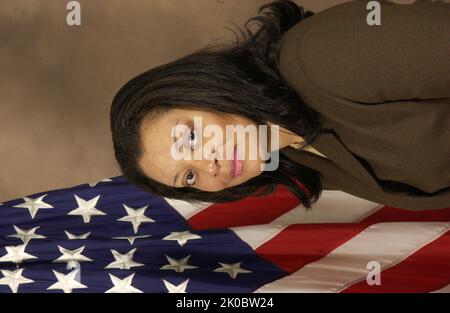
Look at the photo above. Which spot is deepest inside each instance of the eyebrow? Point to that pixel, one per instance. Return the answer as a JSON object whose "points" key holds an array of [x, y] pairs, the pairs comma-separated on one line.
{"points": [[175, 179], [174, 141]]}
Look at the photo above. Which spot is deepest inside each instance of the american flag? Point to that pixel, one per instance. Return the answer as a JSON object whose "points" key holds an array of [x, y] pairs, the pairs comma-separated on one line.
{"points": [[109, 236]]}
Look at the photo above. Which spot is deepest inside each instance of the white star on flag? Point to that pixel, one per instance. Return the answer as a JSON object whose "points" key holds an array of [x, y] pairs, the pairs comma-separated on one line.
{"points": [[131, 239], [26, 234], [122, 285], [33, 205], [105, 180], [86, 209], [182, 237], [136, 217], [72, 256], [178, 265], [14, 279], [66, 282], [231, 269], [123, 261], [71, 236], [16, 254], [181, 288]]}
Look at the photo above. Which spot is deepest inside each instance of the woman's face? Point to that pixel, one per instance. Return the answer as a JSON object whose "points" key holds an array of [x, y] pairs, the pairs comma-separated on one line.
{"points": [[210, 172]]}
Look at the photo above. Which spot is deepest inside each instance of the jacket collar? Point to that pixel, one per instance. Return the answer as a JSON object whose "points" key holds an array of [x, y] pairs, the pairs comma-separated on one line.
{"points": [[332, 147]]}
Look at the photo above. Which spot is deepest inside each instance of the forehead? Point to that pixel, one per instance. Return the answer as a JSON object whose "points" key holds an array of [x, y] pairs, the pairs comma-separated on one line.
{"points": [[156, 140]]}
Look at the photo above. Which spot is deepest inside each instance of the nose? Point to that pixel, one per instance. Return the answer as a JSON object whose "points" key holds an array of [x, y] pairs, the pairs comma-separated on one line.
{"points": [[213, 165]]}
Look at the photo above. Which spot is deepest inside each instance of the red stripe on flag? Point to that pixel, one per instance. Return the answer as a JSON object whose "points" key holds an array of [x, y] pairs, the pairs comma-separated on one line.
{"points": [[426, 270], [300, 244], [390, 214], [248, 211]]}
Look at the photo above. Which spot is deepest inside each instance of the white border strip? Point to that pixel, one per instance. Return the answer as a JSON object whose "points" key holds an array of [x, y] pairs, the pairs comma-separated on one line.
{"points": [[187, 209], [257, 235]]}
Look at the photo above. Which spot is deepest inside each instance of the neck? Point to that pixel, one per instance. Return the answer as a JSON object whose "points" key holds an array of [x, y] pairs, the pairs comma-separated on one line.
{"points": [[285, 138]]}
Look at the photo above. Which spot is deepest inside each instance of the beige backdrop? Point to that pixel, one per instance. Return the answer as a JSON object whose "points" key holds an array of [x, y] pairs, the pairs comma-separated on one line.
{"points": [[57, 81]]}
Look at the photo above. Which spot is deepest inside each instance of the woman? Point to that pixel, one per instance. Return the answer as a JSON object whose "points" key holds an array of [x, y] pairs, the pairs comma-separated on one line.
{"points": [[360, 108]]}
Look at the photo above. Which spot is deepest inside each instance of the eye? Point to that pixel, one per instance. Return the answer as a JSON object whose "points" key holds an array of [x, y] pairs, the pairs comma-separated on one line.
{"points": [[190, 178], [192, 139]]}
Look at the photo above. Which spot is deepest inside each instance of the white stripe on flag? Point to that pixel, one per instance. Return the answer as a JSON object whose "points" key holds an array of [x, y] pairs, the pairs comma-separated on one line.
{"points": [[446, 289], [256, 235], [334, 206], [386, 243], [187, 209]]}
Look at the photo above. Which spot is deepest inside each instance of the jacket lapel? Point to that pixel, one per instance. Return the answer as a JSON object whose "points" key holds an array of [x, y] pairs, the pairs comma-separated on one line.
{"points": [[330, 145]]}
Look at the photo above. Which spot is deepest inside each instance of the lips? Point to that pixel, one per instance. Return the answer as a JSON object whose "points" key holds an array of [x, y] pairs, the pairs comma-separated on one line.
{"points": [[236, 164]]}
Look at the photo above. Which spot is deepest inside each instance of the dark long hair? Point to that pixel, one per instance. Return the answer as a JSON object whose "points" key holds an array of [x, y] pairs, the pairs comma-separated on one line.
{"points": [[240, 79]]}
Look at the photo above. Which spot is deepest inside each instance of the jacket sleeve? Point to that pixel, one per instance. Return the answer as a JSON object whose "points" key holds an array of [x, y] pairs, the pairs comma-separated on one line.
{"points": [[406, 57]]}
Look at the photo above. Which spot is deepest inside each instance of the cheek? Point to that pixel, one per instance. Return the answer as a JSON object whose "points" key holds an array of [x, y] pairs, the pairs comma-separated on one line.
{"points": [[211, 185], [252, 168]]}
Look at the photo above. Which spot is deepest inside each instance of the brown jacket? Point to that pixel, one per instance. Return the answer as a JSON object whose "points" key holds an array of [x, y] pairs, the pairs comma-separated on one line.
{"points": [[385, 92]]}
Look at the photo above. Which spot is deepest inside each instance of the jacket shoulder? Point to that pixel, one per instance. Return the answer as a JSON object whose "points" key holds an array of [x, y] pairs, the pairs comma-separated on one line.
{"points": [[406, 57]]}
